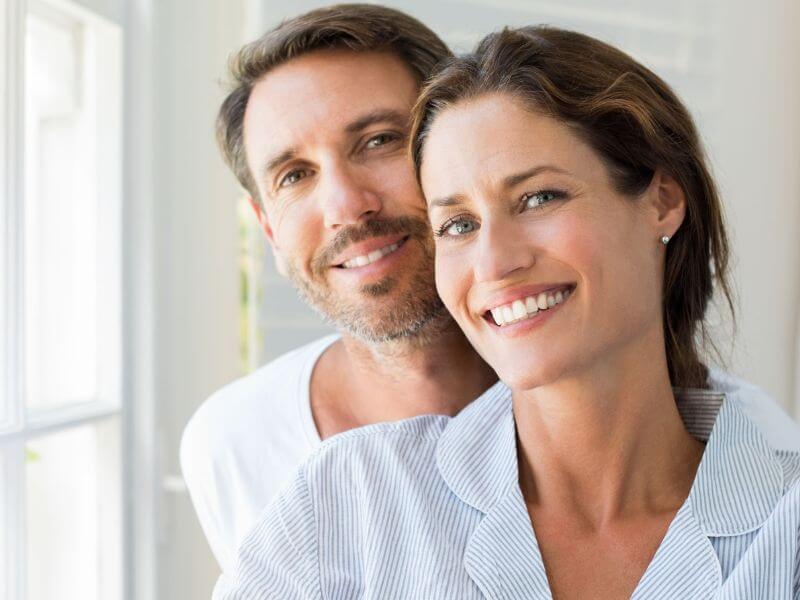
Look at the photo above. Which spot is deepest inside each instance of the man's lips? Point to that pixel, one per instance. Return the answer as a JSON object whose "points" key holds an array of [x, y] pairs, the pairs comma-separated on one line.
{"points": [[363, 249]]}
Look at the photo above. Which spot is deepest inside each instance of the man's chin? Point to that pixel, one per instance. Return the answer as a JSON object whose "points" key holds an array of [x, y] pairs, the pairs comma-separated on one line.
{"points": [[398, 326], [380, 288]]}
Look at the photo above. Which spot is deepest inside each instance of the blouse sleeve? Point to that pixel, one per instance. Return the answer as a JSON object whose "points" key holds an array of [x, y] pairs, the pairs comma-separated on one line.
{"points": [[278, 559]]}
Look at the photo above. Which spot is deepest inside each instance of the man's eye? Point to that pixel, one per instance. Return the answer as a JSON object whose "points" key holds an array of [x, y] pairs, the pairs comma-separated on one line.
{"points": [[293, 177], [380, 140]]}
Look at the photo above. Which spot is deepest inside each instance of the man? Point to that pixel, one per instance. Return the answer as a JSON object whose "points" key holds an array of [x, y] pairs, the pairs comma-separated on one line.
{"points": [[315, 130]]}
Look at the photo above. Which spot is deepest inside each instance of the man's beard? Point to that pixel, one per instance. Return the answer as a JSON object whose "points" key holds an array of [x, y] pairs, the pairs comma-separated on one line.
{"points": [[402, 317]]}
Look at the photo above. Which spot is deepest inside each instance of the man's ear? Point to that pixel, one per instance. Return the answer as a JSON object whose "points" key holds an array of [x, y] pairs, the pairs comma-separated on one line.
{"points": [[263, 221], [668, 202]]}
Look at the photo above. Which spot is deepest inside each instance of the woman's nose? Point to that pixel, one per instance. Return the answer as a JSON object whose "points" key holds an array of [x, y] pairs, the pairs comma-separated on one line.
{"points": [[501, 250]]}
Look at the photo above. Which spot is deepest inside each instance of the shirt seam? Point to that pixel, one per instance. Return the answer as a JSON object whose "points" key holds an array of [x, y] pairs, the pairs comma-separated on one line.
{"points": [[316, 537], [382, 429], [310, 431]]}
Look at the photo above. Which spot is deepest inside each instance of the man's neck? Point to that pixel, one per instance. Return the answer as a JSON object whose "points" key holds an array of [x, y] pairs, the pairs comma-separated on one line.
{"points": [[356, 384]]}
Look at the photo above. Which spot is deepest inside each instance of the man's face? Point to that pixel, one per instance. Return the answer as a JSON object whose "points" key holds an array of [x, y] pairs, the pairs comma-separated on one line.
{"points": [[325, 136]]}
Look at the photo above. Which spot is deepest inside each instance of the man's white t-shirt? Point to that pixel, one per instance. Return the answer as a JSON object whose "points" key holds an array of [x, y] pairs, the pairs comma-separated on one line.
{"points": [[247, 439]]}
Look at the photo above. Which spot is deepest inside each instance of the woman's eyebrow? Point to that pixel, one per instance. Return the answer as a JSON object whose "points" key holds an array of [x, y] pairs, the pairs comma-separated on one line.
{"points": [[518, 178], [508, 182], [442, 202]]}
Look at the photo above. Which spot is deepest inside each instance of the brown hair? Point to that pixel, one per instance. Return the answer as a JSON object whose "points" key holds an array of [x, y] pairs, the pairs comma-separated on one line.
{"points": [[357, 27], [637, 125]]}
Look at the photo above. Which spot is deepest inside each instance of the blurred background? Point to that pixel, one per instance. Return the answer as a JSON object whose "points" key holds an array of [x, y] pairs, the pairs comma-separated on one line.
{"points": [[134, 282]]}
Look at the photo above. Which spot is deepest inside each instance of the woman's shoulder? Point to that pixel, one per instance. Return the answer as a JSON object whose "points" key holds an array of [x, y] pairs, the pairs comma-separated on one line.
{"points": [[381, 445], [769, 417], [790, 463]]}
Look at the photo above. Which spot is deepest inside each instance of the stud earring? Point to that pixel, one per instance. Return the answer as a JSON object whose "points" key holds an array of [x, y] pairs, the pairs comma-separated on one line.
{"points": [[665, 240]]}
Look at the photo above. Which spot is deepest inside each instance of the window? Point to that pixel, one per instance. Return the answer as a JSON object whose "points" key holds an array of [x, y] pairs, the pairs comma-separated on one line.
{"points": [[60, 303]]}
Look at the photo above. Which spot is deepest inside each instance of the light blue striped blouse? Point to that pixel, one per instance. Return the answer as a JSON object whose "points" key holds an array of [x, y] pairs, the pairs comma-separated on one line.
{"points": [[430, 508]]}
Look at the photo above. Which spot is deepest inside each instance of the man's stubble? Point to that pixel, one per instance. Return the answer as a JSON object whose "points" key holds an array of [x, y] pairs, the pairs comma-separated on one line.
{"points": [[415, 314]]}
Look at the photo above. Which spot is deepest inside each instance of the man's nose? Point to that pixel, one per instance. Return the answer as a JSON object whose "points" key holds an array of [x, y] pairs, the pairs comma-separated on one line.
{"points": [[501, 250], [348, 197]]}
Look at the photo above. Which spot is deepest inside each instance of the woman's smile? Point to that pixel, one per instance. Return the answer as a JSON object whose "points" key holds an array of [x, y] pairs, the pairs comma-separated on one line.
{"points": [[526, 310]]}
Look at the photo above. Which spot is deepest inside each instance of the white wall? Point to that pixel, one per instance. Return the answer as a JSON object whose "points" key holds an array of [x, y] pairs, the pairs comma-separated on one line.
{"points": [[755, 147], [184, 223]]}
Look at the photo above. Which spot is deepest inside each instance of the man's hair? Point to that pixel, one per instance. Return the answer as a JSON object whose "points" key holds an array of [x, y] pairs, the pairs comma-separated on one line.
{"points": [[356, 27], [637, 125]]}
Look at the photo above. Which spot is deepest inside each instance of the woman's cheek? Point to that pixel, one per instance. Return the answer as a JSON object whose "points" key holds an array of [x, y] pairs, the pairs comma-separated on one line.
{"points": [[451, 280]]}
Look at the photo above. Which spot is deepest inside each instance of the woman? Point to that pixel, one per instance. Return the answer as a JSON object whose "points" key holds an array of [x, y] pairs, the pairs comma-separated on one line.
{"points": [[575, 224]]}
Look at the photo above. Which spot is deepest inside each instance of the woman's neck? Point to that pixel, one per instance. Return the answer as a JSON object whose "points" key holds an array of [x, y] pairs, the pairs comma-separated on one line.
{"points": [[605, 443]]}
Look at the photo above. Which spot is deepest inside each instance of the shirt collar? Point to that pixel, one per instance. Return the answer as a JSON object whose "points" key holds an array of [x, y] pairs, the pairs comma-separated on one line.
{"points": [[740, 480], [738, 483]]}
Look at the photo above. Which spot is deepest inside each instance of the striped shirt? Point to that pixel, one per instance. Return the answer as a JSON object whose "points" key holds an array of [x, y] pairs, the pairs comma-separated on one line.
{"points": [[430, 508]]}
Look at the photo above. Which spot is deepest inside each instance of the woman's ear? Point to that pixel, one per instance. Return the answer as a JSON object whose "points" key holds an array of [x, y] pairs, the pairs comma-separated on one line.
{"points": [[261, 215], [668, 203]]}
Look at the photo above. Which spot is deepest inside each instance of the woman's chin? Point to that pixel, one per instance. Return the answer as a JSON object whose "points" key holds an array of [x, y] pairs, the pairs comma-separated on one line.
{"points": [[522, 377]]}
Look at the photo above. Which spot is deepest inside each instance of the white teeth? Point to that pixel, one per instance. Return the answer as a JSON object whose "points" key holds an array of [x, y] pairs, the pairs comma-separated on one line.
{"points": [[360, 261], [518, 307], [525, 308], [497, 314], [541, 300]]}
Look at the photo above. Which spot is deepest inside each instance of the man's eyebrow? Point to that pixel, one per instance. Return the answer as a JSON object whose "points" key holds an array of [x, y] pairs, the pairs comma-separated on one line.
{"points": [[359, 124], [377, 116], [277, 160], [518, 178]]}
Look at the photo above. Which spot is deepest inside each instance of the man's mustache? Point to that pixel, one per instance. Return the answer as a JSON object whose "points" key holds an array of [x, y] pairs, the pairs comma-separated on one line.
{"points": [[352, 234]]}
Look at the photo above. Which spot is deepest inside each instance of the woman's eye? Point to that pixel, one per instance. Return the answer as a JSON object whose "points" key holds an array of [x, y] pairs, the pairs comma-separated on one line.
{"points": [[456, 228], [539, 198], [293, 177]]}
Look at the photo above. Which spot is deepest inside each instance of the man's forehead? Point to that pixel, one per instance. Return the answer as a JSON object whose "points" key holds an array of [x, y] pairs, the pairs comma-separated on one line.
{"points": [[325, 91]]}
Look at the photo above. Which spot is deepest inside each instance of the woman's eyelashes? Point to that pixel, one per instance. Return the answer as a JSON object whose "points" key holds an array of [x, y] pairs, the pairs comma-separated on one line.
{"points": [[463, 224], [456, 227], [536, 200]]}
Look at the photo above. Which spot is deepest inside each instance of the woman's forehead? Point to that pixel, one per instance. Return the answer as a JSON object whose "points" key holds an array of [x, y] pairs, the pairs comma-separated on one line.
{"points": [[495, 137]]}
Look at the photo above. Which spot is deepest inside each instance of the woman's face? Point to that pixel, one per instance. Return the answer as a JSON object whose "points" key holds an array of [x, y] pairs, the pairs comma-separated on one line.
{"points": [[548, 269]]}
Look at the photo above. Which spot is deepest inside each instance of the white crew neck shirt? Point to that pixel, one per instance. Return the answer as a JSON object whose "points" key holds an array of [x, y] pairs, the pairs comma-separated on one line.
{"points": [[244, 443], [246, 440]]}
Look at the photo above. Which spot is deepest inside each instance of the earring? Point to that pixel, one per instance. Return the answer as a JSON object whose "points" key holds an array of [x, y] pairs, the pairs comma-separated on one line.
{"points": [[665, 240]]}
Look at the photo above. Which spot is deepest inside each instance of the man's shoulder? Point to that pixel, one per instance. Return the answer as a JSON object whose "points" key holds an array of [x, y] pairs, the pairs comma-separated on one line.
{"points": [[779, 429], [255, 420], [243, 442], [262, 393]]}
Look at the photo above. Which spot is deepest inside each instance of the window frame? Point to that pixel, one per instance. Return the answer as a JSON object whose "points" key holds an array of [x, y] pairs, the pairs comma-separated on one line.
{"points": [[19, 423]]}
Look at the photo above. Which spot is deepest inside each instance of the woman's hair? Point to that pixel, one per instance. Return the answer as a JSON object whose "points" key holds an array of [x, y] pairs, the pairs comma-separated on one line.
{"points": [[636, 124], [356, 27]]}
